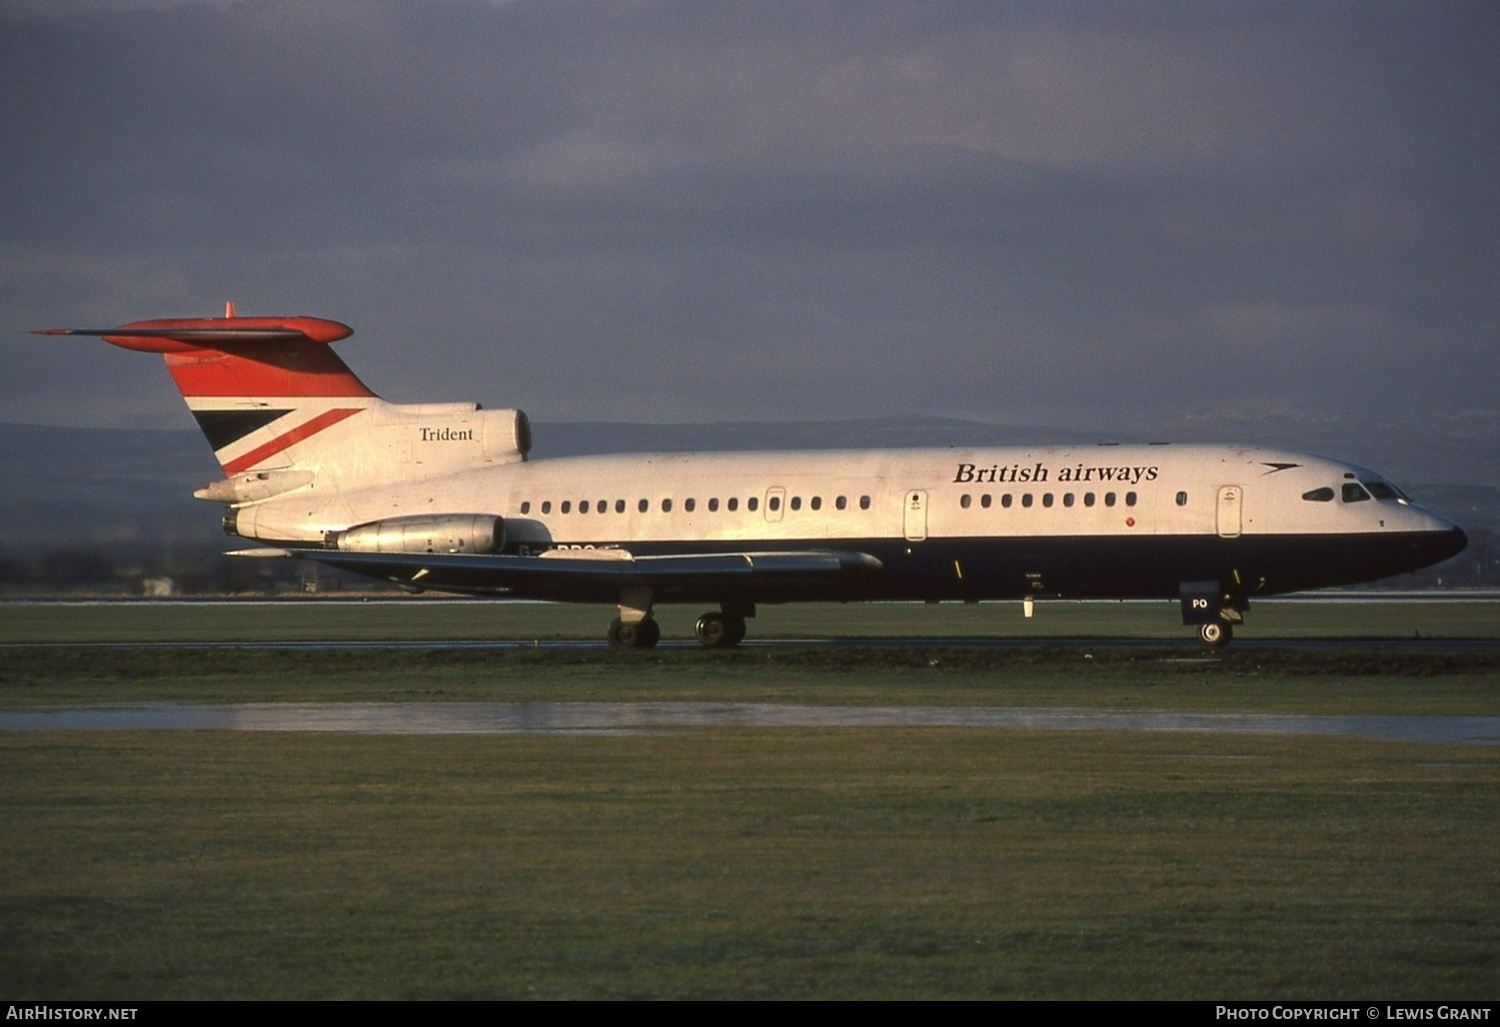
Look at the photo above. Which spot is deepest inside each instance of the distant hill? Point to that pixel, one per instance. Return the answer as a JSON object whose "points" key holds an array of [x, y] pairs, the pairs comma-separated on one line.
{"points": [[77, 486]]}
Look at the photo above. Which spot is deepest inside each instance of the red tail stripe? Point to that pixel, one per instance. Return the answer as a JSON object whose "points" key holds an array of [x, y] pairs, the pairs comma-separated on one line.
{"points": [[306, 430], [264, 369]]}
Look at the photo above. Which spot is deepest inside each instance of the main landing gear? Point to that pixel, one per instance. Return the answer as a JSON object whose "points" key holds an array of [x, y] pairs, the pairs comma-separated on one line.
{"points": [[635, 628], [641, 634], [720, 630]]}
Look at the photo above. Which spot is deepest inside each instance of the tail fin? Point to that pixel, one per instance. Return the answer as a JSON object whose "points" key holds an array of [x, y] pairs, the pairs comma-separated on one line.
{"points": [[267, 390], [256, 385]]}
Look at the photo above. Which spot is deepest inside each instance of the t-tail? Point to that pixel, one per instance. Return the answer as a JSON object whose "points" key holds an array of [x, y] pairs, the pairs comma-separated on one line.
{"points": [[284, 414]]}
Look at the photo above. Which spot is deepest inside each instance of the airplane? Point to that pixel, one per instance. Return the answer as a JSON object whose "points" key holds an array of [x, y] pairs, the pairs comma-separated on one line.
{"points": [[443, 497]]}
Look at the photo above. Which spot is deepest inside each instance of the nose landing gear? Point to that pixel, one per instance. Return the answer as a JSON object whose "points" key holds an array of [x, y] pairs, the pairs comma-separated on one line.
{"points": [[1215, 634], [1214, 608]]}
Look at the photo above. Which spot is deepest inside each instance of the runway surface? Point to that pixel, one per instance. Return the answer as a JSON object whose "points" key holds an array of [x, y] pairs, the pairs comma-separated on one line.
{"points": [[1188, 645], [1466, 596], [629, 717]]}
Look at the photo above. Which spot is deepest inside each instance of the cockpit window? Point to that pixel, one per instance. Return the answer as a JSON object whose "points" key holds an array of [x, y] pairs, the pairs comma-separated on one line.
{"points": [[1322, 495], [1382, 490], [1354, 492]]}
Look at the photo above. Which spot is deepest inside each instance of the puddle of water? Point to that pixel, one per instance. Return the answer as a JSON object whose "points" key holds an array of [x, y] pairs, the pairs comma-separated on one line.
{"points": [[592, 718]]}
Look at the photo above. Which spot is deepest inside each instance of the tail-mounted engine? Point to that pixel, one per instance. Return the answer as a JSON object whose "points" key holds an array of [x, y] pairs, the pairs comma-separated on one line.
{"points": [[424, 533]]}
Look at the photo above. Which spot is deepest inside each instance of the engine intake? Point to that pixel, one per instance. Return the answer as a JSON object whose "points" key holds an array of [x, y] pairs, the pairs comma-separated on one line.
{"points": [[426, 533]]}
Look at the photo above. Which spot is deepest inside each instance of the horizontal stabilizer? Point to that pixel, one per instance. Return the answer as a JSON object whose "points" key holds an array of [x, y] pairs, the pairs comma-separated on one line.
{"points": [[208, 335], [177, 334]]}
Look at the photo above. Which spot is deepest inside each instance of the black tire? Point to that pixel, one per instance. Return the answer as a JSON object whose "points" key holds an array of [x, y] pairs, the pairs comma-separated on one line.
{"points": [[642, 634], [712, 631], [734, 630], [647, 634], [622, 635], [720, 630], [1215, 634]]}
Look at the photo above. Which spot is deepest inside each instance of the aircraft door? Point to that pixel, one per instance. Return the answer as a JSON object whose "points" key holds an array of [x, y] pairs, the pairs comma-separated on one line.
{"points": [[775, 503], [1230, 502], [916, 515]]}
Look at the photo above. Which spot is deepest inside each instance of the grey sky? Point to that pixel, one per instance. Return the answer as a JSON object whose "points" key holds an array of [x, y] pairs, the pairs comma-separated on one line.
{"points": [[1059, 213]]}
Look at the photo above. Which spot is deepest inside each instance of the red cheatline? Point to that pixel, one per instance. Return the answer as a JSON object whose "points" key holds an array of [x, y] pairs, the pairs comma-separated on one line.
{"points": [[291, 438]]}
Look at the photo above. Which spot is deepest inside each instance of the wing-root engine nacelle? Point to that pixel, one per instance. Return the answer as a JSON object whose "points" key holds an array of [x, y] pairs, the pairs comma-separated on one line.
{"points": [[424, 533]]}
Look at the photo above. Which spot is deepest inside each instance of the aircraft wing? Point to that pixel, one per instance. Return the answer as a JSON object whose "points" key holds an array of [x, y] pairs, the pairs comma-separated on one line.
{"points": [[580, 576]]}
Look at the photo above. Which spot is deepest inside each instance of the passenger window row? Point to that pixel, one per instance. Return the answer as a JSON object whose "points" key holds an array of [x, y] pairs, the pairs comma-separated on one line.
{"points": [[690, 505], [1007, 500]]}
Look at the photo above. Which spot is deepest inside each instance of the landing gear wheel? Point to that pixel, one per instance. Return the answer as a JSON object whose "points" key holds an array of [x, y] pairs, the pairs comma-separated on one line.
{"points": [[711, 631], [642, 634], [648, 633], [720, 631], [734, 628], [1215, 634]]}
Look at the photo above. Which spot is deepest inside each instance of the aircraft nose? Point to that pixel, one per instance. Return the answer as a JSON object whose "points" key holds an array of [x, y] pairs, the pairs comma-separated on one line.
{"points": [[1457, 541], [1443, 543]]}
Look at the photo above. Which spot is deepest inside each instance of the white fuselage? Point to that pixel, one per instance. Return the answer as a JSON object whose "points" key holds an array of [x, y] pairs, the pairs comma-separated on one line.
{"points": [[1073, 512]]}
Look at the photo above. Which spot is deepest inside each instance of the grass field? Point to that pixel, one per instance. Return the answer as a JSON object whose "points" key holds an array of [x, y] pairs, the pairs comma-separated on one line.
{"points": [[735, 862]]}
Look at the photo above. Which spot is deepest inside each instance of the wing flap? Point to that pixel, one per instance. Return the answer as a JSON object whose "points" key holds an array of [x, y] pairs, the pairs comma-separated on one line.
{"points": [[580, 577]]}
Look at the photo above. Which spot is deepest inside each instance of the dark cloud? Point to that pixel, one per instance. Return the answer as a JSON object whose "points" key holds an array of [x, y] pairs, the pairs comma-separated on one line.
{"points": [[678, 211]]}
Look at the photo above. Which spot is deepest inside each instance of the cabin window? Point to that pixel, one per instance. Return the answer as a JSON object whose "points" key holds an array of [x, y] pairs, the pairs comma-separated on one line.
{"points": [[841, 502], [1182, 499], [1046, 499], [619, 506], [964, 500], [752, 504], [1088, 499], [546, 506], [864, 502], [583, 506], [666, 506], [734, 504], [1026, 499], [567, 505], [713, 505], [689, 505], [643, 505], [816, 502], [1322, 495], [1006, 500], [984, 500], [1130, 499], [1354, 492], [602, 506], [796, 502], [526, 507], [1067, 499], [774, 503], [1109, 499]]}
